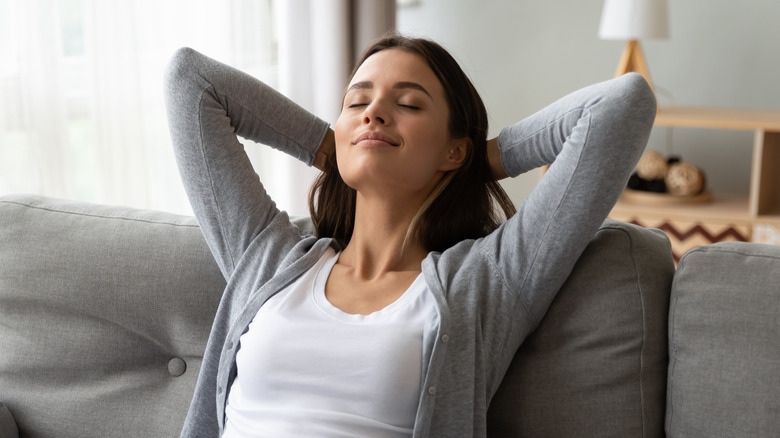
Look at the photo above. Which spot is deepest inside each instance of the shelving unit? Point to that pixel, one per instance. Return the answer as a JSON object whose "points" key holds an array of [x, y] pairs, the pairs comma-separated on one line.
{"points": [[755, 218]]}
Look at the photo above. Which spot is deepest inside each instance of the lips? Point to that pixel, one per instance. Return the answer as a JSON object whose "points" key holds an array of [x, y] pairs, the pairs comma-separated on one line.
{"points": [[376, 136]]}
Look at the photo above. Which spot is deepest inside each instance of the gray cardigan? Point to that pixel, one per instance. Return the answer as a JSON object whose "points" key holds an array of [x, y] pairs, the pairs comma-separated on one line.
{"points": [[491, 292]]}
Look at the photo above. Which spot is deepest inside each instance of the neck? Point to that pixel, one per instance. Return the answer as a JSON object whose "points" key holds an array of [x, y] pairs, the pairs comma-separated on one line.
{"points": [[377, 243]]}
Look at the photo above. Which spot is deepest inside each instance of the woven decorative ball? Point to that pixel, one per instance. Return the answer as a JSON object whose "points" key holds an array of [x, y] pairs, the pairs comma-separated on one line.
{"points": [[684, 179], [651, 166]]}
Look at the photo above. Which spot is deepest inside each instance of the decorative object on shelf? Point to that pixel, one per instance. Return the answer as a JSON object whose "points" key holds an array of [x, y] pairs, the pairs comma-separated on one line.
{"points": [[660, 180], [684, 179], [652, 166], [631, 20]]}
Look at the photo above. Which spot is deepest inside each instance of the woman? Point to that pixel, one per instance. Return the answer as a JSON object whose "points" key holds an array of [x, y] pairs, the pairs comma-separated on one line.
{"points": [[401, 315]]}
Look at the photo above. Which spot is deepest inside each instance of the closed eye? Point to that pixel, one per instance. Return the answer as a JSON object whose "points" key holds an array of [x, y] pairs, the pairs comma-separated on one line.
{"points": [[357, 105], [412, 107]]}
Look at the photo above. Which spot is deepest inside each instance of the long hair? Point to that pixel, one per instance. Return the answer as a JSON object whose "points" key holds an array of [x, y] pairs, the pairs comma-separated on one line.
{"points": [[465, 203]]}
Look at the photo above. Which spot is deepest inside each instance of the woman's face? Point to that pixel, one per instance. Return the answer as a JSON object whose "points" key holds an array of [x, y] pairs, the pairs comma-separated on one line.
{"points": [[392, 133]]}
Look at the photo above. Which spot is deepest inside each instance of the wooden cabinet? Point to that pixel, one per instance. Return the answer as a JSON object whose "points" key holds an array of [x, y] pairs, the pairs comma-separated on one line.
{"points": [[755, 218]]}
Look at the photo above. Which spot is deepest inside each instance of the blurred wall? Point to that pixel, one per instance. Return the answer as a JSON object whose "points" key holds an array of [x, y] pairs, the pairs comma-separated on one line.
{"points": [[523, 54]]}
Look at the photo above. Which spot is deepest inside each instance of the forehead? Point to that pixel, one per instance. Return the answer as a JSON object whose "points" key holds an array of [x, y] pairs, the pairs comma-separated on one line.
{"points": [[394, 65]]}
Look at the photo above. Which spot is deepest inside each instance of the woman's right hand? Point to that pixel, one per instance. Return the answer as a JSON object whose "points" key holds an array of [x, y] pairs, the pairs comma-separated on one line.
{"points": [[326, 149]]}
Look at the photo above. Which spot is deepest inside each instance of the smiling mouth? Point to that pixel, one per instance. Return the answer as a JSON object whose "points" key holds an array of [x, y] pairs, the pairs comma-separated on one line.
{"points": [[373, 136]]}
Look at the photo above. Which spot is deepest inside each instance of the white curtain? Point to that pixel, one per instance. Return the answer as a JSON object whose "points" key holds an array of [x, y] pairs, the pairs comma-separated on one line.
{"points": [[81, 101]]}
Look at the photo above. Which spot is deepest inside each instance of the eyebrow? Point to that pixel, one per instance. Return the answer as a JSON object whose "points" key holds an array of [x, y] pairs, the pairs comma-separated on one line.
{"points": [[364, 85]]}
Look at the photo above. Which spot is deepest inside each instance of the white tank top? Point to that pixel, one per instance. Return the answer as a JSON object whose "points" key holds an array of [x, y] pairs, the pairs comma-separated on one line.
{"points": [[308, 369]]}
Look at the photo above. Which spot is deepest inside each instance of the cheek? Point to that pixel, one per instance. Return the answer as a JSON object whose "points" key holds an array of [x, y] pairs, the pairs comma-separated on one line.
{"points": [[436, 140], [341, 133], [342, 130]]}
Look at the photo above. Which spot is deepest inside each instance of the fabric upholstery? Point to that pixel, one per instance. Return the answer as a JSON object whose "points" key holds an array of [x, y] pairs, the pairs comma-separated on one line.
{"points": [[105, 311], [724, 324], [104, 314], [596, 365], [8, 427]]}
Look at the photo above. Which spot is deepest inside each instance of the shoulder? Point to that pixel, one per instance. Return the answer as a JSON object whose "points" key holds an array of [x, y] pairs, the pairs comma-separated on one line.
{"points": [[465, 274]]}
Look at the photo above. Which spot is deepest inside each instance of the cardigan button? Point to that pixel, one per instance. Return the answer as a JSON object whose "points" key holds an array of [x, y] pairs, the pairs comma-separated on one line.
{"points": [[432, 390], [445, 338]]}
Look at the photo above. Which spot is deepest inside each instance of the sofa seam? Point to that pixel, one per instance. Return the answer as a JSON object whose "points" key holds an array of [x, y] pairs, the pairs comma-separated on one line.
{"points": [[644, 321], [672, 355], [710, 248], [642, 351], [101, 216]]}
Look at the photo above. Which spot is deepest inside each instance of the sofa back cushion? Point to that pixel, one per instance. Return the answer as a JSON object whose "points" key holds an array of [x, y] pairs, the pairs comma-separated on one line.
{"points": [[724, 325], [104, 314], [8, 427], [596, 365]]}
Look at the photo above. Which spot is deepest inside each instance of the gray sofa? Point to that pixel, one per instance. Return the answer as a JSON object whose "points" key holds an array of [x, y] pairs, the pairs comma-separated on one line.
{"points": [[104, 313]]}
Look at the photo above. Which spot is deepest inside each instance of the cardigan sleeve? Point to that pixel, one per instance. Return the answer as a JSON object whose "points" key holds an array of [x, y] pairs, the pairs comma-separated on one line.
{"points": [[209, 105], [592, 140]]}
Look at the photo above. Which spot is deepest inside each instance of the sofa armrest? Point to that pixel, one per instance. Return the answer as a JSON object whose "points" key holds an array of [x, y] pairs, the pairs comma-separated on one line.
{"points": [[104, 316], [724, 365]]}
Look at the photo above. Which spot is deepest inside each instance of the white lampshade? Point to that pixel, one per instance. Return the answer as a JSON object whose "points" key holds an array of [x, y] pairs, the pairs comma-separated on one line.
{"points": [[634, 19]]}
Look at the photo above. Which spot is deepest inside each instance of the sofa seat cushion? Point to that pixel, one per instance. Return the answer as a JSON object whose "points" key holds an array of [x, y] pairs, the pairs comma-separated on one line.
{"points": [[724, 325], [596, 365], [104, 316]]}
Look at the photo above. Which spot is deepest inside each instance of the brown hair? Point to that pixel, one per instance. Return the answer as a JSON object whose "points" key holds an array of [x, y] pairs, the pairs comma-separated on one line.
{"points": [[462, 205]]}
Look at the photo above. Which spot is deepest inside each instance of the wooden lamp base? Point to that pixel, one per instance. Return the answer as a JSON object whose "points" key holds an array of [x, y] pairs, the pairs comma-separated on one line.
{"points": [[633, 59]]}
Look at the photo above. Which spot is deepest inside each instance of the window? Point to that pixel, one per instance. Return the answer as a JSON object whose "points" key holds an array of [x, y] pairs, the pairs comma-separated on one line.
{"points": [[81, 102]]}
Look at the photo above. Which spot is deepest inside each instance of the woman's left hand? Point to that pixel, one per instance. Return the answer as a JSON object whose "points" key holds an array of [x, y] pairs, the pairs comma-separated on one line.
{"points": [[494, 158]]}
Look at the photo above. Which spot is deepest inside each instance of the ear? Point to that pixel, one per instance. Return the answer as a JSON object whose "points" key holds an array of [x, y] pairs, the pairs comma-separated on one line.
{"points": [[457, 153]]}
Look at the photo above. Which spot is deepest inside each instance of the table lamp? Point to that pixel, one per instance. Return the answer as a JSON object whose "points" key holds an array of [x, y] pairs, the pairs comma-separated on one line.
{"points": [[631, 20]]}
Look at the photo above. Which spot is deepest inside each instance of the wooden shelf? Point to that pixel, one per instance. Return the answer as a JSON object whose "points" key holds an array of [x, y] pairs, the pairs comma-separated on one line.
{"points": [[718, 118], [754, 218], [721, 209]]}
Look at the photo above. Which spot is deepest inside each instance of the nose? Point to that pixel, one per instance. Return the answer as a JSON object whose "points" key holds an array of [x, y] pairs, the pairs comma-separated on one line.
{"points": [[375, 114], [367, 120]]}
